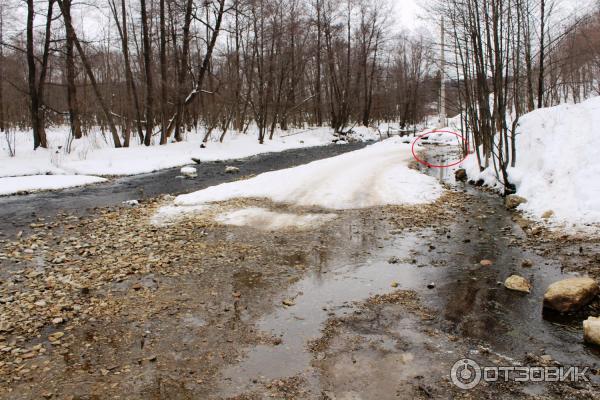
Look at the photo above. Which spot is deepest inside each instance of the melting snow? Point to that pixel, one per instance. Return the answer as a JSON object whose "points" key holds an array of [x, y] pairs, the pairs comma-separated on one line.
{"points": [[269, 220], [374, 176]]}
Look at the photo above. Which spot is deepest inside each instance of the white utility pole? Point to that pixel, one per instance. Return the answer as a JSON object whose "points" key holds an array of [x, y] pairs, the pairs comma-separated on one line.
{"points": [[442, 116]]}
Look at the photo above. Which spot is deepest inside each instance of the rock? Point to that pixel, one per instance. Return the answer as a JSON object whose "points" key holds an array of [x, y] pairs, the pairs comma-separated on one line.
{"points": [[59, 260], [486, 263], [196, 160], [131, 203], [570, 294], [203, 146], [460, 175], [394, 284], [513, 201], [431, 285], [591, 330], [189, 172], [393, 260], [536, 230], [57, 321], [56, 336], [231, 170], [527, 263], [517, 283], [548, 214], [547, 360], [288, 302]]}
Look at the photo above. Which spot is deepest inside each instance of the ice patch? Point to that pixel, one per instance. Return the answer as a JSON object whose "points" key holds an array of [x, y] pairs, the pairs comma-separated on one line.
{"points": [[172, 213], [264, 219]]}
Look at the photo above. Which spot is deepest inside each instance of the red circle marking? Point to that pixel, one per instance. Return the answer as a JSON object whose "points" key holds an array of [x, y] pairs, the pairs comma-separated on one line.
{"points": [[420, 137]]}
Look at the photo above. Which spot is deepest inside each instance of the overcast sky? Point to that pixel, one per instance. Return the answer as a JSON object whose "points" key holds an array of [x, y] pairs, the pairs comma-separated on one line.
{"points": [[407, 12], [408, 15]]}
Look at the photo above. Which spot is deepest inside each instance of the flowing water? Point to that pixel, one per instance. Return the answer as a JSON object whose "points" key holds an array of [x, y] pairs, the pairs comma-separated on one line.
{"points": [[469, 300]]}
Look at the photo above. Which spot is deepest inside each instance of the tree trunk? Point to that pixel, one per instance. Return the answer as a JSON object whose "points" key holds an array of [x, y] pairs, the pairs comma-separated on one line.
{"points": [[2, 116], [147, 49], [37, 125], [540, 102], [318, 95], [92, 78], [163, 75], [71, 89]]}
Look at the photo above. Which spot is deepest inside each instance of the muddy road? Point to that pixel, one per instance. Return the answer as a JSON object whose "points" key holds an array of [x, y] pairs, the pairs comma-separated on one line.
{"points": [[376, 304]]}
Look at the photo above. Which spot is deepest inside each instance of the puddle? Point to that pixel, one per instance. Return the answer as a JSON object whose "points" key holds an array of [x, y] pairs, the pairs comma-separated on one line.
{"points": [[316, 298], [470, 300]]}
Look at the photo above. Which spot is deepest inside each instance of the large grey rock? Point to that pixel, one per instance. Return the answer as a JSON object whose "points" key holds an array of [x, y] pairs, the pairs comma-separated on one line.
{"points": [[513, 201], [570, 294]]}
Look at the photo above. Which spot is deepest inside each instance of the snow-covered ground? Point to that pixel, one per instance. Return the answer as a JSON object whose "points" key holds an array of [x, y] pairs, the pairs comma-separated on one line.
{"points": [[558, 165], [374, 176], [34, 183], [264, 219], [442, 137], [95, 155]]}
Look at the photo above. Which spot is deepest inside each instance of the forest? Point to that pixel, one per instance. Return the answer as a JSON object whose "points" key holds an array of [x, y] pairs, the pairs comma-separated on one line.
{"points": [[161, 68], [167, 66]]}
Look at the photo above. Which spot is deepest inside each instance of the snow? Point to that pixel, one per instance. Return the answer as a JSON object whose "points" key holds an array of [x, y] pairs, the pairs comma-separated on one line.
{"points": [[170, 214], [442, 137], [374, 176], [11, 185], [264, 219], [558, 165], [190, 172], [95, 155]]}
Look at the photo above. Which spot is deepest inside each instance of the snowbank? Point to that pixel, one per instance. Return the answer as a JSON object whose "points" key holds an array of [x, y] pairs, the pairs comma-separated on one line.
{"points": [[558, 164], [34, 183], [374, 176], [94, 154]]}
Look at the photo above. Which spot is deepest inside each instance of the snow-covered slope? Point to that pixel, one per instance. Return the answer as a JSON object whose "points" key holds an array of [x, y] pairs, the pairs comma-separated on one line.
{"points": [[558, 164], [374, 176]]}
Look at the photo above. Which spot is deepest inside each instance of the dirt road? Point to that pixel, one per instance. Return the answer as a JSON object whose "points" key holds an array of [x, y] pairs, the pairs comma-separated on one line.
{"points": [[376, 304]]}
